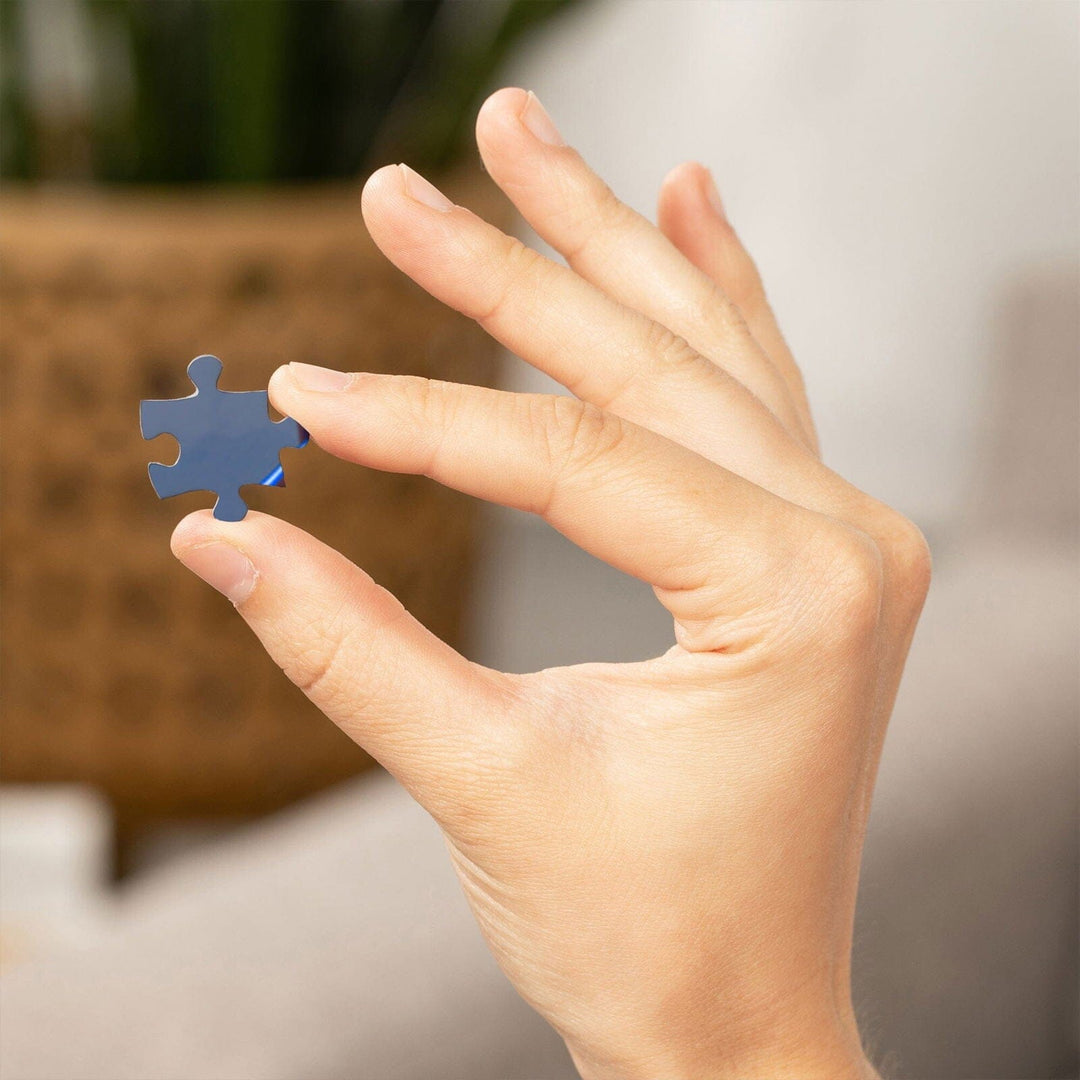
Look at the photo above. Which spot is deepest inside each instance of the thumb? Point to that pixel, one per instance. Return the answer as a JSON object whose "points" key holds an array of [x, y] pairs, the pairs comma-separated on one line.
{"points": [[416, 705]]}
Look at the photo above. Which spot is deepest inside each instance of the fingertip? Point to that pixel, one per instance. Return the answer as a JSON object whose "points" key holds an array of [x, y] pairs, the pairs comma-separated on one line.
{"points": [[382, 183], [516, 135], [506, 103], [195, 529], [380, 177], [254, 530], [690, 188], [684, 175], [279, 388], [499, 131]]}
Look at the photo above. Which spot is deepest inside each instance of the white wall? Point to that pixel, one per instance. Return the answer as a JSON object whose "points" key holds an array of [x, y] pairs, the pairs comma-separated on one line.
{"points": [[894, 167]]}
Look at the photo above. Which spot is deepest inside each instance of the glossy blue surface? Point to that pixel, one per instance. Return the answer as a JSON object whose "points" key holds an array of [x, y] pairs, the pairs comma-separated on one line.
{"points": [[226, 440]]}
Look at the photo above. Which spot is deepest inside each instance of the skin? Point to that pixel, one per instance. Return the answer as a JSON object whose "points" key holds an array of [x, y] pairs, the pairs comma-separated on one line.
{"points": [[663, 856]]}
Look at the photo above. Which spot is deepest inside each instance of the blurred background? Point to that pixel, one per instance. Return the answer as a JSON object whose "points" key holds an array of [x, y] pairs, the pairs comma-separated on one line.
{"points": [[199, 876]]}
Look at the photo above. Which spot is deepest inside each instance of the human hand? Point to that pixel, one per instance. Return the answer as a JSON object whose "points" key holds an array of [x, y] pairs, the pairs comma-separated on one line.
{"points": [[663, 856]]}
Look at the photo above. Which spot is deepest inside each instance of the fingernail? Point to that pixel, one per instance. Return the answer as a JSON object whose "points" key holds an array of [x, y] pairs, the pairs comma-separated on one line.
{"points": [[224, 567], [713, 195], [535, 117], [423, 191], [313, 377]]}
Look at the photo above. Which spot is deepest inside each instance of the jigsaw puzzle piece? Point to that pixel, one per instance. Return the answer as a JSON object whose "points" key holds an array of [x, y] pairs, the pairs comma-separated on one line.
{"points": [[227, 440], [287, 435], [168, 480], [157, 417], [230, 507], [204, 371], [172, 416]]}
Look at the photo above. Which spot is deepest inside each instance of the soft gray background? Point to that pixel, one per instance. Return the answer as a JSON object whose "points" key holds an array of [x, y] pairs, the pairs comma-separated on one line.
{"points": [[906, 175]]}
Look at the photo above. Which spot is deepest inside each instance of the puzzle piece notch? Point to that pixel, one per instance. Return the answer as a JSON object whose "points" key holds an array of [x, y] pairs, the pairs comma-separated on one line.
{"points": [[227, 440]]}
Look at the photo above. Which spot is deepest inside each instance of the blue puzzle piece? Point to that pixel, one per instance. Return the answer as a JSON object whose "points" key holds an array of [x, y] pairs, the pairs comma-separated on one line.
{"points": [[226, 440]]}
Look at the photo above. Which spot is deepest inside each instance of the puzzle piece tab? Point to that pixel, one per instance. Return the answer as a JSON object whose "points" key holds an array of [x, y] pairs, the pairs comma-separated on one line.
{"points": [[226, 440]]}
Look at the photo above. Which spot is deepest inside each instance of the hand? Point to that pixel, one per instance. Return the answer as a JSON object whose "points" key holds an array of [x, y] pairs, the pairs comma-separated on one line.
{"points": [[663, 856]]}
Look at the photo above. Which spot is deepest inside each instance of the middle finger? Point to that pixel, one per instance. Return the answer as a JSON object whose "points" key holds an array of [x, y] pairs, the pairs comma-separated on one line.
{"points": [[605, 353], [617, 249]]}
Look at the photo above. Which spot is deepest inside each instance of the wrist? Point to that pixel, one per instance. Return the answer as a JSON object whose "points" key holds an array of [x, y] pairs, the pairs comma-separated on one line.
{"points": [[830, 1052], [810, 1065]]}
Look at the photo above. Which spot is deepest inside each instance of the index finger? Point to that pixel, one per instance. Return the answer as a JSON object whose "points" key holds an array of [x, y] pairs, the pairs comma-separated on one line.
{"points": [[716, 545]]}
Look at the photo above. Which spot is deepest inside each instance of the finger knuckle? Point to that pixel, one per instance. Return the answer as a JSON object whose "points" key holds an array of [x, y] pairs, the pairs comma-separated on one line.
{"points": [[668, 352], [520, 260], [519, 265], [848, 585], [327, 657], [427, 407], [907, 558], [595, 214], [411, 399], [574, 434], [315, 664]]}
